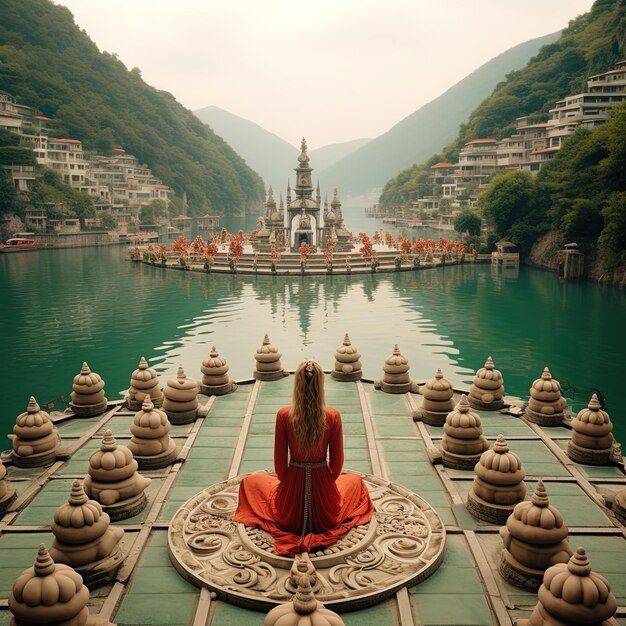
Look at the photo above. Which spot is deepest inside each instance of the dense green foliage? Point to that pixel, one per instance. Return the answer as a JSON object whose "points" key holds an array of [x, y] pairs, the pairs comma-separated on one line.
{"points": [[469, 222], [46, 62], [591, 44], [581, 194]]}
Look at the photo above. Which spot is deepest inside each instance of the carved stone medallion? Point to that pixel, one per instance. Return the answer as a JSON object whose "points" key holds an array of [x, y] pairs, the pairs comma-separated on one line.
{"points": [[402, 545]]}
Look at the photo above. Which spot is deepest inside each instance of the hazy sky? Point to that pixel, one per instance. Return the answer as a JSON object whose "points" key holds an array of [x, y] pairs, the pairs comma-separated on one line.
{"points": [[331, 70]]}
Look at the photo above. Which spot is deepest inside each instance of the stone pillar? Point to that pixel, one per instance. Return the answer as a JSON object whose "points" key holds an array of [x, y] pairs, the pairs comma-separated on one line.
{"points": [[437, 401], [535, 538], [85, 540], [7, 490], [151, 444], [144, 382], [268, 366], [35, 438], [591, 441], [487, 390], [463, 442], [546, 406], [113, 480], [87, 397], [499, 484], [181, 398], [215, 378], [573, 594], [396, 377], [347, 364]]}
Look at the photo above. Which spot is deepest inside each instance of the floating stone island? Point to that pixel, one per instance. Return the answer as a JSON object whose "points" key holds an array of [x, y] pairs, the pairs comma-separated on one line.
{"points": [[171, 553]]}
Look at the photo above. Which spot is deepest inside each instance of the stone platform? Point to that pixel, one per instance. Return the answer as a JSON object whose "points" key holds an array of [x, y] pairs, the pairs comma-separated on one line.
{"points": [[402, 545]]}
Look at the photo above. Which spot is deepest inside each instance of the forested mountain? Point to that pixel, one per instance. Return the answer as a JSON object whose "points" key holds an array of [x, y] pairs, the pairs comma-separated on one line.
{"points": [[428, 129], [591, 44], [48, 63]]}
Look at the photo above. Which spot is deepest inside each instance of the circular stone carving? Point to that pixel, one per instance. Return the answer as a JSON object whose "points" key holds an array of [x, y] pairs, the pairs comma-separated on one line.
{"points": [[402, 545]]}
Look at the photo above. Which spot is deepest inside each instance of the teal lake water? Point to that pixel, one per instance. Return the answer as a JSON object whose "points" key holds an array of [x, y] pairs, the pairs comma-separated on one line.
{"points": [[62, 307]]}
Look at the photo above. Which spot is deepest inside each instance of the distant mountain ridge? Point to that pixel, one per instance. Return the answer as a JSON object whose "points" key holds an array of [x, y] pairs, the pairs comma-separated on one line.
{"points": [[428, 129], [269, 155]]}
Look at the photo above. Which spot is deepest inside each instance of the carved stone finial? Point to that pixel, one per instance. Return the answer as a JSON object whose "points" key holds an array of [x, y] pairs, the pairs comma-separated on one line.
{"points": [[181, 398], [463, 442], [572, 593], [268, 366], [347, 364], [546, 405], [35, 438], [535, 538], [487, 390], [592, 439], [215, 378], [87, 398], [396, 378], [7, 490], [437, 400], [498, 485], [144, 382]]}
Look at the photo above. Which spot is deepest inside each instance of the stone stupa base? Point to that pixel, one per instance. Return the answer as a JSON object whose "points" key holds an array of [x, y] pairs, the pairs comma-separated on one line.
{"points": [[269, 376], [89, 410], [177, 418], [101, 572], [157, 461], [35, 460], [126, 508], [347, 377], [587, 456], [543, 420], [394, 387], [488, 512], [619, 507], [459, 461], [8, 499], [518, 575], [218, 390], [432, 418], [400, 546], [135, 405], [479, 405]]}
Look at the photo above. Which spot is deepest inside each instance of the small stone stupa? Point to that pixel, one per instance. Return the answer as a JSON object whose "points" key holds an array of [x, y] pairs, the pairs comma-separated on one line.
{"points": [[267, 359], [347, 364], [499, 484], [546, 405], [151, 444], [7, 490], [303, 610], [463, 442], [35, 438], [573, 594], [396, 377], [181, 398], [113, 480], [85, 540], [87, 397], [535, 538], [215, 378], [487, 390], [437, 401], [592, 440], [144, 382], [50, 593]]}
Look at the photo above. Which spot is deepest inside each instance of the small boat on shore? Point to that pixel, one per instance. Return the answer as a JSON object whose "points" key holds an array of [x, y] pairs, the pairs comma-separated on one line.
{"points": [[19, 243]]}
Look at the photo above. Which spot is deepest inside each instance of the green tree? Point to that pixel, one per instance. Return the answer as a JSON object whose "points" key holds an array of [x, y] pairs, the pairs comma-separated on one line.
{"points": [[612, 241], [108, 221], [509, 199], [8, 194], [469, 222], [151, 213]]}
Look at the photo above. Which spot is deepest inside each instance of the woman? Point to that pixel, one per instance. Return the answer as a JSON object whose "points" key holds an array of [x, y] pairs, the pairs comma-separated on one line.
{"points": [[309, 504]]}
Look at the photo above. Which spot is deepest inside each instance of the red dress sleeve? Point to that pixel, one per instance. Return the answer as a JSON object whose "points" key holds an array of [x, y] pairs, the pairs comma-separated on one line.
{"points": [[335, 447], [281, 445]]}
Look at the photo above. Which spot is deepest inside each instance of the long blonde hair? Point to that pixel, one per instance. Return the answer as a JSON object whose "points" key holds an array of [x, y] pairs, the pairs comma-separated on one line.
{"points": [[307, 413]]}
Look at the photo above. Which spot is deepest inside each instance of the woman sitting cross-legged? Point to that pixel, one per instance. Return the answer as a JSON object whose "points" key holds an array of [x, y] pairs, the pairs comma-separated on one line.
{"points": [[309, 504]]}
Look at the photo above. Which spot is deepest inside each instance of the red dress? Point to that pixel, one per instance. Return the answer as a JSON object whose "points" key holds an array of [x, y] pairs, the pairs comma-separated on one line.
{"points": [[309, 504]]}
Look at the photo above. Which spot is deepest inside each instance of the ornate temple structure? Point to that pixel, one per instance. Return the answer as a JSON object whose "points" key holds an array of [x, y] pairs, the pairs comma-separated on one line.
{"points": [[301, 219]]}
